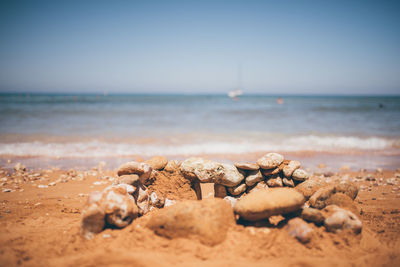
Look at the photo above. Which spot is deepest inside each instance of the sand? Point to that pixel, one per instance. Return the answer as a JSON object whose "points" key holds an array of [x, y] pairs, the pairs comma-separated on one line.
{"points": [[40, 227]]}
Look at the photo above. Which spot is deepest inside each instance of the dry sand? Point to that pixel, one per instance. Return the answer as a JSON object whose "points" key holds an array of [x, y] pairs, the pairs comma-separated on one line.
{"points": [[40, 227]]}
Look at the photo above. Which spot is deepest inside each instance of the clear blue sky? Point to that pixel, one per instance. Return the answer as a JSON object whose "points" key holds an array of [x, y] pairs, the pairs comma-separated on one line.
{"points": [[292, 47]]}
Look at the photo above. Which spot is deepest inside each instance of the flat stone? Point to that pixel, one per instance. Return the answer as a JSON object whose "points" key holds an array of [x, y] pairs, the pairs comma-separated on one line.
{"points": [[140, 168], [259, 186], [300, 175], [262, 204], [254, 177], [309, 187], [300, 230], [206, 221], [131, 179], [157, 163], [248, 166], [231, 176], [312, 215], [290, 168], [343, 201], [206, 171], [318, 199], [270, 161], [337, 219], [237, 190], [348, 188]]}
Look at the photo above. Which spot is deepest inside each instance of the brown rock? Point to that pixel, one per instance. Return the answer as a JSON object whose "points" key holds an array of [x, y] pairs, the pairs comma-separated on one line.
{"points": [[318, 199], [254, 177], [290, 168], [309, 187], [171, 166], [207, 221], [275, 182], [140, 168], [288, 182], [219, 191], [265, 203], [206, 171], [157, 163], [237, 190], [270, 161], [92, 220], [131, 179], [300, 175], [343, 201], [259, 186], [271, 172], [337, 219], [300, 230], [312, 215], [248, 166], [348, 188]]}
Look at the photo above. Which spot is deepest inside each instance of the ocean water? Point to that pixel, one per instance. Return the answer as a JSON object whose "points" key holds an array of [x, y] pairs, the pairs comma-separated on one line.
{"points": [[98, 126]]}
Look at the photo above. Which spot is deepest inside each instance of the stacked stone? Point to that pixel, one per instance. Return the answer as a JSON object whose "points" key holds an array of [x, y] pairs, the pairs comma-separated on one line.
{"points": [[119, 204]]}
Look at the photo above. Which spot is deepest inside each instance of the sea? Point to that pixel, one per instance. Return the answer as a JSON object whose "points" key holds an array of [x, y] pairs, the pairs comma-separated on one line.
{"points": [[80, 130]]}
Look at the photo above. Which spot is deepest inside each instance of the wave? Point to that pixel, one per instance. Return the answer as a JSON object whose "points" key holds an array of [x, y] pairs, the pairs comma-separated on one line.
{"points": [[288, 144]]}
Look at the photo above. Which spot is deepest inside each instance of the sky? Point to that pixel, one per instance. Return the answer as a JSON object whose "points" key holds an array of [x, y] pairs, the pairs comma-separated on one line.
{"points": [[268, 47]]}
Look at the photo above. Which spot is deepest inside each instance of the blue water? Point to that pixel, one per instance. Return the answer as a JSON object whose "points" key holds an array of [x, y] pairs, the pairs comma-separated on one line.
{"points": [[97, 125]]}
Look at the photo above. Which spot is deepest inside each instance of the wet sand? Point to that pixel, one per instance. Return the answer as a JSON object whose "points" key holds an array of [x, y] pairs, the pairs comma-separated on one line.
{"points": [[40, 227]]}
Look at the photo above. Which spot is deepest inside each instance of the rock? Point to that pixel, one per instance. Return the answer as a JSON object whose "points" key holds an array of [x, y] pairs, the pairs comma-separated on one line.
{"points": [[322, 165], [379, 170], [219, 191], [19, 167], [156, 201], [254, 177], [348, 188], [309, 187], [206, 171], [259, 186], [131, 179], [92, 220], [231, 200], [337, 219], [300, 175], [288, 182], [312, 215], [169, 202], [275, 182], [247, 166], [157, 163], [265, 203], [343, 201], [171, 166], [206, 221], [271, 172], [140, 168], [141, 197], [290, 168], [237, 190], [318, 199], [300, 230], [231, 176], [270, 161], [119, 206]]}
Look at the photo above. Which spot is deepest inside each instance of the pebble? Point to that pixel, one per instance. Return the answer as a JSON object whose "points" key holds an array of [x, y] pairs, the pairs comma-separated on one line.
{"points": [[300, 230], [290, 168], [310, 186], [6, 190], [379, 170], [43, 186], [99, 182], [52, 184], [237, 190], [248, 166], [288, 182], [171, 166], [19, 167], [169, 202], [130, 179], [265, 203], [300, 175], [231, 200], [254, 177], [397, 175], [318, 199], [337, 219], [275, 182], [312, 215], [158, 162], [207, 221], [270, 161]]}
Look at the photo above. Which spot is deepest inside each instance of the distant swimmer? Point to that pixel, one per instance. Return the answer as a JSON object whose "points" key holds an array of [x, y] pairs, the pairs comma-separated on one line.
{"points": [[279, 100]]}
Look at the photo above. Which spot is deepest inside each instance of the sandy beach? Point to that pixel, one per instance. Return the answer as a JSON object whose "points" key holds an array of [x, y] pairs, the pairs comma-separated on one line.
{"points": [[40, 219]]}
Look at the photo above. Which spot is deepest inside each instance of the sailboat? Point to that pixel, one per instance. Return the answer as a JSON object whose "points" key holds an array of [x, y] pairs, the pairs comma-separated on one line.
{"points": [[234, 94]]}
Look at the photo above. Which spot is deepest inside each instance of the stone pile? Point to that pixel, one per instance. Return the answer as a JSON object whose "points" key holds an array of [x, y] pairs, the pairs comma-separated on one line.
{"points": [[256, 192]]}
